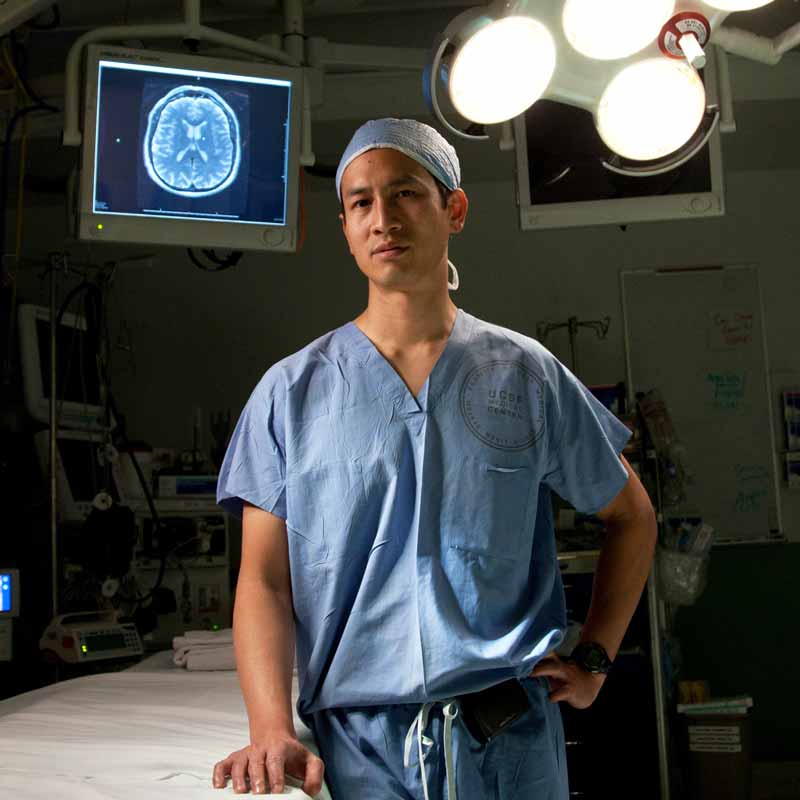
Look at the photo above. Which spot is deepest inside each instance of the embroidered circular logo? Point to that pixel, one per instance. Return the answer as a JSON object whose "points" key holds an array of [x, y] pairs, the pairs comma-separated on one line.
{"points": [[502, 403]]}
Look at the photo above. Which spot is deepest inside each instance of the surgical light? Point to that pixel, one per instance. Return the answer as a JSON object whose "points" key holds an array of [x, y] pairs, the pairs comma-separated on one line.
{"points": [[651, 108], [481, 88], [614, 28], [737, 5], [632, 64]]}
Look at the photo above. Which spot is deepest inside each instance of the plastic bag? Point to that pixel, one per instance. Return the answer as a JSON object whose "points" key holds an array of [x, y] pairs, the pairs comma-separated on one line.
{"points": [[681, 576], [682, 561]]}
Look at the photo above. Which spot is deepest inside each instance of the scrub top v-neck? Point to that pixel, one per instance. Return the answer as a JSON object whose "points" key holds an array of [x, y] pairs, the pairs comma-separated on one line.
{"points": [[386, 374], [420, 530]]}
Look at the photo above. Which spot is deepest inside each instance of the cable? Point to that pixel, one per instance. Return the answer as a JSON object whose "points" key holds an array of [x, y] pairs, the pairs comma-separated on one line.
{"points": [[38, 105], [19, 76], [231, 260], [84, 286], [23, 159], [95, 318], [6, 371]]}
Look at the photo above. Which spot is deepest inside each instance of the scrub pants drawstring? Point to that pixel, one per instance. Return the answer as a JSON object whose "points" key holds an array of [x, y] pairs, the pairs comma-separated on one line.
{"points": [[420, 723]]}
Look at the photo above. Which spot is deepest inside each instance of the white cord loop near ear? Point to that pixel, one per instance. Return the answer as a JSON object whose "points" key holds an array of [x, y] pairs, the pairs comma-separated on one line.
{"points": [[455, 283]]}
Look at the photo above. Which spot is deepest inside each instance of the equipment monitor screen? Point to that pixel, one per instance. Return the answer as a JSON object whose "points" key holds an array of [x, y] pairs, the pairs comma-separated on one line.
{"points": [[9, 592], [562, 183], [174, 139], [5, 593], [97, 642]]}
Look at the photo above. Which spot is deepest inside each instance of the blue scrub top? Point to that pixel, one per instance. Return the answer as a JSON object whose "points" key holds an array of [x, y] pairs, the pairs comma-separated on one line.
{"points": [[421, 540]]}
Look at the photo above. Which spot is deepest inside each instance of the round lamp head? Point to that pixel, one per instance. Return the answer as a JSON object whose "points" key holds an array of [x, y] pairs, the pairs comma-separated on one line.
{"points": [[614, 28], [651, 108], [737, 5], [502, 69]]}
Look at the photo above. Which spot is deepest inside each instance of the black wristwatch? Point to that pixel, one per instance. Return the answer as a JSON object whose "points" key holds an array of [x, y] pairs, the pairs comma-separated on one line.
{"points": [[591, 657]]}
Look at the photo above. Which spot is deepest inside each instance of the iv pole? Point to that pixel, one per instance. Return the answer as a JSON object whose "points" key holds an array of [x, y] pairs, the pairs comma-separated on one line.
{"points": [[57, 261], [600, 327]]}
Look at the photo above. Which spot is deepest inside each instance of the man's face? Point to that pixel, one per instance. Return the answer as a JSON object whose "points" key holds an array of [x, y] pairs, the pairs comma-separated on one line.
{"points": [[394, 220]]}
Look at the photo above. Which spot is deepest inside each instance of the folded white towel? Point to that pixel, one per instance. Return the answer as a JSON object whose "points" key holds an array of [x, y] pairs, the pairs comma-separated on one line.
{"points": [[207, 637], [204, 650], [207, 658]]}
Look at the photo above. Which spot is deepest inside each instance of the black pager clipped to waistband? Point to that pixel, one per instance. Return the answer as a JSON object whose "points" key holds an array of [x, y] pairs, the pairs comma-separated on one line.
{"points": [[488, 712]]}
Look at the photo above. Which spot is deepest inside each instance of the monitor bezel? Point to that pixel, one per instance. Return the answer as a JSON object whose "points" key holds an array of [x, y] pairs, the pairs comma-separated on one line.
{"points": [[202, 232], [647, 208], [71, 414]]}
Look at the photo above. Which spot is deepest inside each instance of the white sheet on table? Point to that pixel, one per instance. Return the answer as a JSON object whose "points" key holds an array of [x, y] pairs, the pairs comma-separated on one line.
{"points": [[150, 732]]}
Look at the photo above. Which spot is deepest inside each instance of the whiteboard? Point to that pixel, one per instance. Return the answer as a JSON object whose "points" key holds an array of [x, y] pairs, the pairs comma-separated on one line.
{"points": [[697, 335]]}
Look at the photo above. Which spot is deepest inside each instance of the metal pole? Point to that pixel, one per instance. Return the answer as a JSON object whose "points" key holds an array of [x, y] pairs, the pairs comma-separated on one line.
{"points": [[55, 261], [655, 613], [573, 334], [293, 16], [191, 12], [294, 39], [654, 608]]}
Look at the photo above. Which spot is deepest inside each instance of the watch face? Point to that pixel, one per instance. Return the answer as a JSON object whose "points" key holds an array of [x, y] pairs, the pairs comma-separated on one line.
{"points": [[592, 657]]}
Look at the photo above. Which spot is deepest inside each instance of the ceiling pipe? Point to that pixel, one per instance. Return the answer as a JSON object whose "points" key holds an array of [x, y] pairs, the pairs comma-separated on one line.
{"points": [[189, 29]]}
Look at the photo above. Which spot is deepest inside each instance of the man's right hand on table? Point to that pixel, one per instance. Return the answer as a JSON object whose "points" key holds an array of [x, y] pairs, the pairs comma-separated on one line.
{"points": [[261, 767]]}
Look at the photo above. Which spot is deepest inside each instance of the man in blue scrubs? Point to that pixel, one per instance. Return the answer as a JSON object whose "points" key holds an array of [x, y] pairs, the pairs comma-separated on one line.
{"points": [[394, 478]]}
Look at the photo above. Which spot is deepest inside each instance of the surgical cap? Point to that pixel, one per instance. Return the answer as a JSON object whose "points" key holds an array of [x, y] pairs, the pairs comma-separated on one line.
{"points": [[414, 139]]}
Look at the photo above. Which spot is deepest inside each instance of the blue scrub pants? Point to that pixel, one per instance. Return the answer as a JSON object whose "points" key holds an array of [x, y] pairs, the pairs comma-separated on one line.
{"points": [[363, 753]]}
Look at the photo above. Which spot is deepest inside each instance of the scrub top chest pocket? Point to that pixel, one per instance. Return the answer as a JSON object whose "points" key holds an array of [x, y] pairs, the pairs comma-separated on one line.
{"points": [[487, 509]]}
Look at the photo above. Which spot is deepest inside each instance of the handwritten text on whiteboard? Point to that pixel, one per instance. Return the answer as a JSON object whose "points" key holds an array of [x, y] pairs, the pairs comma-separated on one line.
{"points": [[730, 329]]}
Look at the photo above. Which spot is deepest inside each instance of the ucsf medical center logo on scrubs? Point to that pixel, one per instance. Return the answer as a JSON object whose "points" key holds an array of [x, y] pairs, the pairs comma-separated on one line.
{"points": [[502, 403]]}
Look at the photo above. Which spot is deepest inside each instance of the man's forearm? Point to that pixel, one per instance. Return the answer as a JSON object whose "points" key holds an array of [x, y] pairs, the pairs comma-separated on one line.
{"points": [[263, 628], [620, 576]]}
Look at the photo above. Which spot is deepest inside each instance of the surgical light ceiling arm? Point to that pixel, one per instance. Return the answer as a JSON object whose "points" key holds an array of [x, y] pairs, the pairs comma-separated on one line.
{"points": [[189, 29], [757, 48], [318, 53], [14, 13]]}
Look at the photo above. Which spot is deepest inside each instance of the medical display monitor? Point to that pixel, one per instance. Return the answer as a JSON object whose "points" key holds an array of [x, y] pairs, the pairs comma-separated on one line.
{"points": [[82, 472], [187, 150], [561, 180], [78, 393]]}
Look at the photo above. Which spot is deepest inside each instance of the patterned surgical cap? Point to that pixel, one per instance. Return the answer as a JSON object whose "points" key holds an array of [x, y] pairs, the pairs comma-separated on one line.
{"points": [[414, 139]]}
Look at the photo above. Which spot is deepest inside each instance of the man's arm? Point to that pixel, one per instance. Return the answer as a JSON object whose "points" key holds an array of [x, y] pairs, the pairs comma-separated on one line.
{"points": [[264, 635], [623, 565], [620, 576], [263, 623]]}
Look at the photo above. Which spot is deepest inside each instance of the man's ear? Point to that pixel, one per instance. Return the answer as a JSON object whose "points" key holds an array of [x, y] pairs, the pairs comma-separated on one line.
{"points": [[343, 220], [458, 205]]}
